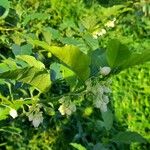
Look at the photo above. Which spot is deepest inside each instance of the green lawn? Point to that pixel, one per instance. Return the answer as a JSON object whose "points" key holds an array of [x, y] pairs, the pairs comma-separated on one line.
{"points": [[131, 98]]}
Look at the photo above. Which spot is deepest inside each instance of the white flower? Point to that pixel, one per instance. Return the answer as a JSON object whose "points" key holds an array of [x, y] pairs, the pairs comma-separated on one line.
{"points": [[101, 102], [97, 90], [103, 107], [98, 33], [105, 99], [62, 109], [98, 103], [106, 89], [38, 118], [31, 116], [102, 32], [67, 108], [13, 113], [72, 107], [105, 71], [110, 24], [95, 36]]}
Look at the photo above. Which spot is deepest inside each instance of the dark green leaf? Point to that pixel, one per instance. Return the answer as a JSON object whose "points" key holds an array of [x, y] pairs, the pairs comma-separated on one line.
{"points": [[10, 129], [99, 146], [108, 119], [128, 137], [22, 50], [98, 59]]}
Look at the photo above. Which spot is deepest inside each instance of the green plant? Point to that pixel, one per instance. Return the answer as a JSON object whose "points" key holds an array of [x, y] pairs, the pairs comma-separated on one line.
{"points": [[55, 69]]}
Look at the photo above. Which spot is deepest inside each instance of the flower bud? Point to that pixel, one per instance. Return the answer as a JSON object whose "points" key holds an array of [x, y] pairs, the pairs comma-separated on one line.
{"points": [[105, 71], [13, 113]]}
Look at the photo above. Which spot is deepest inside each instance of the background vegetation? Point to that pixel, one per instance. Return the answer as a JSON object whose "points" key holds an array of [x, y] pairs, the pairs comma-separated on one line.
{"points": [[79, 23]]}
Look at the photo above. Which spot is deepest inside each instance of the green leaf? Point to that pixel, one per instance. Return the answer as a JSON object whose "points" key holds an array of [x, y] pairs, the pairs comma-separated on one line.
{"points": [[128, 137], [74, 59], [108, 119], [76, 42], [12, 130], [5, 5], [52, 34], [98, 59], [138, 58], [117, 53], [59, 71], [4, 112], [30, 75], [91, 42], [47, 35], [22, 50], [70, 55], [99, 146], [78, 146], [70, 77], [55, 71], [34, 73], [31, 61], [4, 67], [35, 16]]}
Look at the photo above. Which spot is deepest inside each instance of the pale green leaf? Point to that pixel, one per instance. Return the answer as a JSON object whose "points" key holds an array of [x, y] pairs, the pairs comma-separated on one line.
{"points": [[33, 73], [78, 146], [76, 42], [128, 137], [47, 35], [31, 61], [74, 59], [70, 55], [91, 42], [4, 112], [117, 53], [6, 5], [138, 58]]}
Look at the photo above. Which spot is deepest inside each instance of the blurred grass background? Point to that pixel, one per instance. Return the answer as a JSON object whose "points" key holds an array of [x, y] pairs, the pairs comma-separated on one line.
{"points": [[131, 98]]}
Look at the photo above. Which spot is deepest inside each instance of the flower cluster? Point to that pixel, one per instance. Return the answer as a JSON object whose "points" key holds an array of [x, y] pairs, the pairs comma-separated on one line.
{"points": [[101, 32], [35, 115], [67, 107], [101, 97], [105, 70]]}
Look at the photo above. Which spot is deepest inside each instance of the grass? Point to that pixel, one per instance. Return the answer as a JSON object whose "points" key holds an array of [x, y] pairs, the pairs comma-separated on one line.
{"points": [[131, 98]]}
